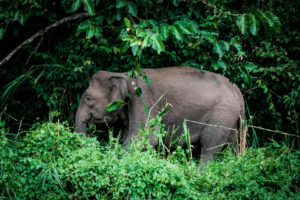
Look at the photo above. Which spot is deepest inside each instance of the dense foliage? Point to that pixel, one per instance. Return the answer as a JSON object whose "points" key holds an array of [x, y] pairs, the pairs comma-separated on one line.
{"points": [[255, 44], [50, 49], [52, 162]]}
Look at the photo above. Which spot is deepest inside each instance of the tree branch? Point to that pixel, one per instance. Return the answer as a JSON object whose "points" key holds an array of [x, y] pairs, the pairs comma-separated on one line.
{"points": [[32, 38], [36, 48]]}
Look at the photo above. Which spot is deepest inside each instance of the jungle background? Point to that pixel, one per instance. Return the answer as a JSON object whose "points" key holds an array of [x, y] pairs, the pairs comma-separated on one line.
{"points": [[50, 49]]}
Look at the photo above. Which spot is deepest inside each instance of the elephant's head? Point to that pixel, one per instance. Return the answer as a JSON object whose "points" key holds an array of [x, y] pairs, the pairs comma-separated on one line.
{"points": [[104, 88]]}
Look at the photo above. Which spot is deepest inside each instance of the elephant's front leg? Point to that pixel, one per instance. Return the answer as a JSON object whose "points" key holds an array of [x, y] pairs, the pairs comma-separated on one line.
{"points": [[135, 131]]}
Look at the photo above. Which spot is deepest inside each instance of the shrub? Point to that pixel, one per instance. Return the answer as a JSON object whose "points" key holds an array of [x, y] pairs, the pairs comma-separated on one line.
{"points": [[52, 162]]}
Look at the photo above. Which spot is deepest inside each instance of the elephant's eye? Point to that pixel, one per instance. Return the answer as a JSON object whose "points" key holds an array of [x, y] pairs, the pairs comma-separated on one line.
{"points": [[88, 98]]}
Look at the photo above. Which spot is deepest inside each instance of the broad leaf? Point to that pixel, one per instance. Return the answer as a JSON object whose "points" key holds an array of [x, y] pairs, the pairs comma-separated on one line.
{"points": [[175, 2], [127, 22], [37, 3], [222, 64], [118, 14], [121, 3], [98, 30], [90, 32], [90, 6], [75, 5], [276, 21], [23, 18], [135, 49], [124, 47], [146, 42], [185, 27], [194, 26], [111, 107], [267, 27], [157, 43], [146, 79], [164, 31], [15, 15], [134, 42], [84, 25], [140, 32], [242, 22], [219, 47], [267, 15], [132, 9], [176, 31], [99, 19], [249, 66], [215, 65], [254, 23], [2, 31], [153, 23]]}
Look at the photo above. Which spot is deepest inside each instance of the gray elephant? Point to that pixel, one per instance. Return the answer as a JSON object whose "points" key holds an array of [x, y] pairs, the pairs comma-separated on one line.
{"points": [[203, 97]]}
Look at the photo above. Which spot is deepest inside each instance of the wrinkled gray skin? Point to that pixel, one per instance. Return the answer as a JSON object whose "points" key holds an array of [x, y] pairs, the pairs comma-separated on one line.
{"points": [[208, 98]]}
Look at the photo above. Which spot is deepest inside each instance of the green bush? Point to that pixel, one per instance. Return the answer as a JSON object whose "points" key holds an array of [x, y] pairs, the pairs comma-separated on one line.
{"points": [[51, 162]]}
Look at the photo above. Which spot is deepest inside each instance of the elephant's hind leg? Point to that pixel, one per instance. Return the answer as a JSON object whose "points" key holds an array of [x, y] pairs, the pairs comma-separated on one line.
{"points": [[213, 139]]}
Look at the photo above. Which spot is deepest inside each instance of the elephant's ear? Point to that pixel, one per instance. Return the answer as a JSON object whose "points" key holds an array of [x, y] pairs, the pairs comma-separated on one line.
{"points": [[119, 88]]}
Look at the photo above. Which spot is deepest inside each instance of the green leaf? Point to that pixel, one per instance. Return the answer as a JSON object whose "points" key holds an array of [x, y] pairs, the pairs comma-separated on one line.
{"points": [[85, 25], [111, 18], [267, 15], [15, 15], [157, 43], [2, 31], [153, 23], [140, 32], [219, 47], [132, 9], [164, 31], [37, 3], [226, 46], [90, 6], [111, 107], [99, 19], [242, 22], [194, 26], [210, 38], [118, 14], [146, 42], [90, 32], [138, 92], [143, 23], [247, 78], [185, 27], [276, 21], [127, 22], [98, 30], [135, 49], [215, 65], [249, 66], [222, 64], [147, 80], [75, 5], [254, 23], [267, 27], [23, 18], [124, 47], [134, 42], [177, 32], [175, 2], [121, 3]]}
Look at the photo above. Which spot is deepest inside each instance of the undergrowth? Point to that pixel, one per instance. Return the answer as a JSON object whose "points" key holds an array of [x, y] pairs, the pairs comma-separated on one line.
{"points": [[51, 162]]}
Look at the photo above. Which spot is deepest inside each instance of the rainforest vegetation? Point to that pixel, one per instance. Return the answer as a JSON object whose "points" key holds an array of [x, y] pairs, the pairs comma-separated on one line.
{"points": [[50, 49]]}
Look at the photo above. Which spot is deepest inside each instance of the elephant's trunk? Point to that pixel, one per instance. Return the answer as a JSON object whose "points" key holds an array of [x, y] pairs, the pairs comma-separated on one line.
{"points": [[80, 121]]}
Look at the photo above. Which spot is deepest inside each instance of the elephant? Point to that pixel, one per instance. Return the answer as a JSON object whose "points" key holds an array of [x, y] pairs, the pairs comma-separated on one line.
{"points": [[194, 94]]}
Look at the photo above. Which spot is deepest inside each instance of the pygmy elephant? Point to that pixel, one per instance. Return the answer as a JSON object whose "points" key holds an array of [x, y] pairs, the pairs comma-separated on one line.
{"points": [[202, 97]]}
